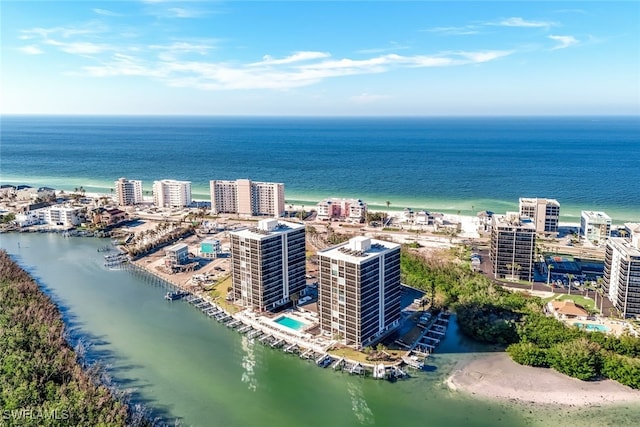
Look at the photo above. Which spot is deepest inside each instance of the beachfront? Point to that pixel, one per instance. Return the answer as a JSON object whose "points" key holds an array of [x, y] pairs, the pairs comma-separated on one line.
{"points": [[496, 376]]}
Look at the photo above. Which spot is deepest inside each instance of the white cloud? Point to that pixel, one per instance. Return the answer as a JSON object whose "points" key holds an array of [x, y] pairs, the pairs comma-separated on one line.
{"points": [[563, 41], [170, 52], [455, 31], [519, 22], [31, 50], [180, 12], [81, 48], [367, 98], [64, 32], [299, 69], [105, 12], [296, 57]]}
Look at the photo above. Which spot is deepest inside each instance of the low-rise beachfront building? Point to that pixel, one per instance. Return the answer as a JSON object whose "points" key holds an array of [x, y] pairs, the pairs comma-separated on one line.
{"points": [[595, 227], [485, 221], [169, 193], [128, 192], [353, 210], [545, 213], [622, 274], [566, 310], [267, 264], [246, 197], [105, 216], [513, 239], [177, 254], [58, 215], [359, 290], [210, 248]]}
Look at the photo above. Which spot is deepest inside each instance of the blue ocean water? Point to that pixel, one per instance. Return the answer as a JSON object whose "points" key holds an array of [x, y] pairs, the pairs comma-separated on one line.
{"points": [[440, 164]]}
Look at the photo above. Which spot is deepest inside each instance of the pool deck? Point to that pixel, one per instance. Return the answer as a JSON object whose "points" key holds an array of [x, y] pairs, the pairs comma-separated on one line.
{"points": [[616, 327]]}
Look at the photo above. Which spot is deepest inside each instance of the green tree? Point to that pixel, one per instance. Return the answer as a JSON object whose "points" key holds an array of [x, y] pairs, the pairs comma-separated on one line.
{"points": [[579, 358]]}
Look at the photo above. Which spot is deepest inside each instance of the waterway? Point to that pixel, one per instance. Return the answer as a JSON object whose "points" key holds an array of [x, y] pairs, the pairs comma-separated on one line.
{"points": [[185, 366]]}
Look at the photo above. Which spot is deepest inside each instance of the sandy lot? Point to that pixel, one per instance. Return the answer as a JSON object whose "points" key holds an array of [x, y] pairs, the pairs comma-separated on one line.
{"points": [[498, 377]]}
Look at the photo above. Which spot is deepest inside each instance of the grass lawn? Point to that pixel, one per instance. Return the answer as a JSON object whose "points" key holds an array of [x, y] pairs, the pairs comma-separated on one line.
{"points": [[219, 294], [587, 303], [360, 356]]}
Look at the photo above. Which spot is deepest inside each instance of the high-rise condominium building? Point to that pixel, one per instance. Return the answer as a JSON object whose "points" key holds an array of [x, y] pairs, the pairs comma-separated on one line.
{"points": [[267, 263], [170, 193], [595, 226], [359, 290], [545, 213], [245, 197], [513, 241], [128, 192], [622, 272]]}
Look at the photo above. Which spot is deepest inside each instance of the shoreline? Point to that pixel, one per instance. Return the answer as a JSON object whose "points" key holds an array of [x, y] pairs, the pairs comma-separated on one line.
{"points": [[496, 377]]}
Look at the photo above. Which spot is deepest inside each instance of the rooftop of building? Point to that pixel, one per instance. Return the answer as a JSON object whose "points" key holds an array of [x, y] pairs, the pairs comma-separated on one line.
{"points": [[359, 249], [634, 227], [513, 219], [539, 200], [267, 228], [331, 200], [596, 215], [625, 245], [568, 308], [177, 247]]}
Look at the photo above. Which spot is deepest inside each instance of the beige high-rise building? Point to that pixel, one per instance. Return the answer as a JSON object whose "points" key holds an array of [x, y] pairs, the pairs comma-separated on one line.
{"points": [[128, 192], [545, 213], [246, 197]]}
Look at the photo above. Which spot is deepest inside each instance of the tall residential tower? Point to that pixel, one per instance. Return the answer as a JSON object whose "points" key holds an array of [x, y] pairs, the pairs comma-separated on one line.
{"points": [[170, 193], [545, 213], [513, 240], [246, 197], [359, 290], [267, 263], [622, 271], [128, 192]]}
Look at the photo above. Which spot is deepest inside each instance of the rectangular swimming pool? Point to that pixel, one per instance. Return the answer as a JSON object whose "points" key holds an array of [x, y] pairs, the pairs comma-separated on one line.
{"points": [[290, 323]]}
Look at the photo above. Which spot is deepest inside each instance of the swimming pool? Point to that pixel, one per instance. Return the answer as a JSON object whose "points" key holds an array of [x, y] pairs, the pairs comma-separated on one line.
{"points": [[592, 327], [290, 323]]}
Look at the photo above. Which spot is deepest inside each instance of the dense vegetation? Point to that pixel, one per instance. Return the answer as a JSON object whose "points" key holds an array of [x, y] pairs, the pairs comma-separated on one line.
{"points": [[41, 381], [486, 312]]}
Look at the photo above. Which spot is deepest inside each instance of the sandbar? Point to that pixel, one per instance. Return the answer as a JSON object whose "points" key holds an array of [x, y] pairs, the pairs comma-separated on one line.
{"points": [[497, 377]]}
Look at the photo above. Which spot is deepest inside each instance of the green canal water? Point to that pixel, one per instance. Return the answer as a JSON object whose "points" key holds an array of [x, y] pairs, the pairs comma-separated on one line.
{"points": [[185, 366]]}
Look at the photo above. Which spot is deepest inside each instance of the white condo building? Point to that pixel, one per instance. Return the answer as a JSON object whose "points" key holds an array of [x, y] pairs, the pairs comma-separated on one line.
{"points": [[267, 264], [246, 197], [545, 213], [622, 272], [128, 192], [359, 290], [595, 226], [354, 210], [170, 193]]}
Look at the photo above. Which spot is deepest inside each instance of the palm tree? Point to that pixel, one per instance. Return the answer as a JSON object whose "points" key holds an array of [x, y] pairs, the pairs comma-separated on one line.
{"points": [[600, 290], [570, 280]]}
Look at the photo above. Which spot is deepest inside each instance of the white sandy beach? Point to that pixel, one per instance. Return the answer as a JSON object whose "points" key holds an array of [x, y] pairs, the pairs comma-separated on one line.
{"points": [[498, 377]]}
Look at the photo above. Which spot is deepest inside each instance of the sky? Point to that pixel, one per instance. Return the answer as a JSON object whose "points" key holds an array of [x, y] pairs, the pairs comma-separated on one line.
{"points": [[320, 58]]}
